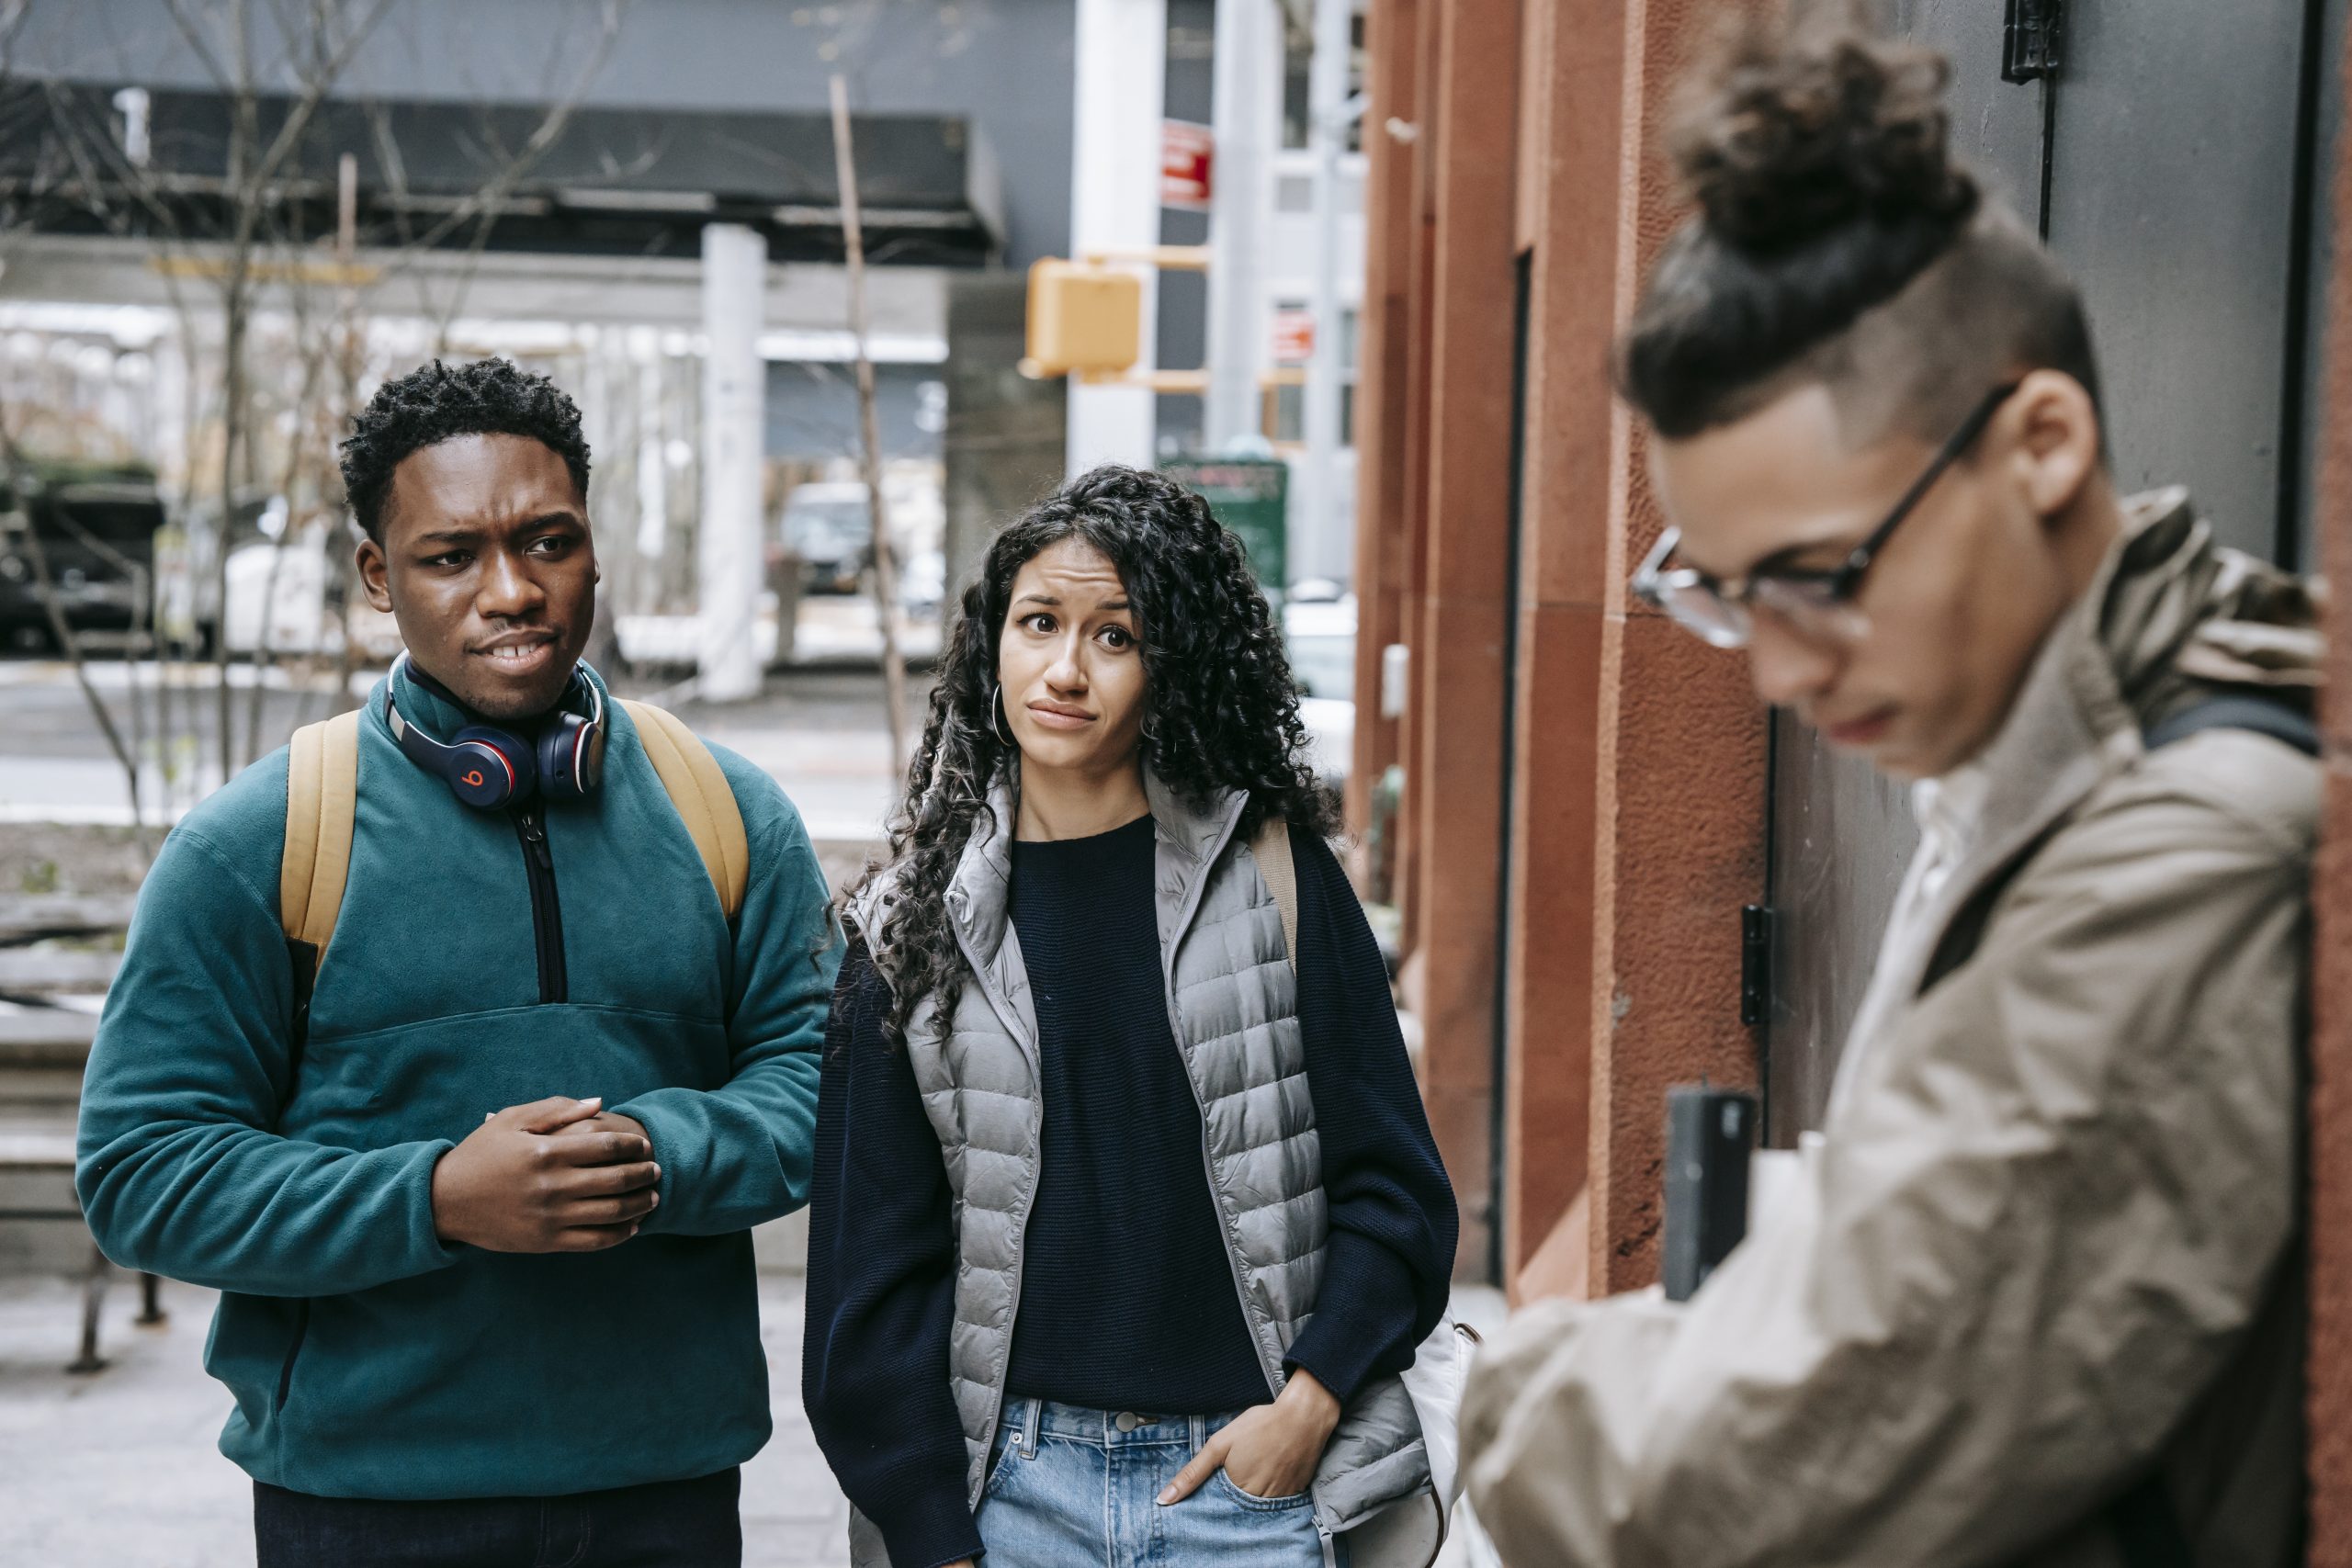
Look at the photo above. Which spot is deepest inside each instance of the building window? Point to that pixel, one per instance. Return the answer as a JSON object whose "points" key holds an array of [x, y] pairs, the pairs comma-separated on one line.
{"points": [[1299, 47], [1283, 411]]}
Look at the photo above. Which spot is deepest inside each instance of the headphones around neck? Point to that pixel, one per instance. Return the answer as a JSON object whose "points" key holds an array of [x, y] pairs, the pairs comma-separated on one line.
{"points": [[487, 767]]}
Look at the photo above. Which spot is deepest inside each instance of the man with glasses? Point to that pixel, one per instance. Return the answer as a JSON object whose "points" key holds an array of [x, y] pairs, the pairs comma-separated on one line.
{"points": [[2032, 1297]]}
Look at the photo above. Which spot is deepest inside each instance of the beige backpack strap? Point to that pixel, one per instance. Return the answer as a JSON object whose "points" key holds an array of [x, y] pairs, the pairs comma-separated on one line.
{"points": [[1271, 848], [706, 805], [321, 798]]}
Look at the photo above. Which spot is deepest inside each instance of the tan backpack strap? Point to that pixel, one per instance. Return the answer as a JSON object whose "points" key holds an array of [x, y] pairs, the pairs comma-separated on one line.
{"points": [[321, 798], [706, 805], [1271, 848]]}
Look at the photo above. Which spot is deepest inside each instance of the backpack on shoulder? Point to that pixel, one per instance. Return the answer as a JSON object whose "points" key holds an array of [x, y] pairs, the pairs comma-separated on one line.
{"points": [[322, 799], [1441, 1362]]}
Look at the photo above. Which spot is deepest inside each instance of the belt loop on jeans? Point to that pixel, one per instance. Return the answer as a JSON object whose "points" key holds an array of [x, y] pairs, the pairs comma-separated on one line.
{"points": [[1032, 1417], [1200, 1432]]}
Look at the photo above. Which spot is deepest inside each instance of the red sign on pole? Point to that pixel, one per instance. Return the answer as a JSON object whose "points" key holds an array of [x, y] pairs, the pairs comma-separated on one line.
{"points": [[1187, 152], [1293, 336]]}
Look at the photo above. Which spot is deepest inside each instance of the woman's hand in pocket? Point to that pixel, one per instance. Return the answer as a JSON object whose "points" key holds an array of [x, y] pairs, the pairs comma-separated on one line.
{"points": [[1271, 1450]]}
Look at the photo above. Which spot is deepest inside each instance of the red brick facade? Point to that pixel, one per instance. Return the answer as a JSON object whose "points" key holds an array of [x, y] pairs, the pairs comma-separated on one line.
{"points": [[1509, 133]]}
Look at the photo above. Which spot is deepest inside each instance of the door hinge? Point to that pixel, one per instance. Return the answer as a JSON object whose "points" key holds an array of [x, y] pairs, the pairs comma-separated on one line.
{"points": [[2029, 39], [1755, 964]]}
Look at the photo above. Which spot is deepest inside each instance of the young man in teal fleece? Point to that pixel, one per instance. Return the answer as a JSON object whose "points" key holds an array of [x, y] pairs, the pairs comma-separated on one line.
{"points": [[483, 1240]]}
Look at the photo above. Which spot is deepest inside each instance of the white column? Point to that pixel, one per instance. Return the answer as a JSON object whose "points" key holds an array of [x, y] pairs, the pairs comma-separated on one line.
{"points": [[1122, 60], [1315, 513], [730, 547], [1247, 115]]}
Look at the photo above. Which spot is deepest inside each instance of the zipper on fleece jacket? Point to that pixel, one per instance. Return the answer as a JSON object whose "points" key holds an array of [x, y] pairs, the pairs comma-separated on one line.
{"points": [[547, 915]]}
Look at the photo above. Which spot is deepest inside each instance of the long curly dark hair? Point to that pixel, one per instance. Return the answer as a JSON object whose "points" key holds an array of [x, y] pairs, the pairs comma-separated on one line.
{"points": [[1221, 710]]}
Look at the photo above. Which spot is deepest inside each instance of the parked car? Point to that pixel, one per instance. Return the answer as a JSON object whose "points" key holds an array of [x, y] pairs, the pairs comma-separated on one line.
{"points": [[96, 532], [922, 584], [1322, 638], [830, 528], [187, 598], [287, 584]]}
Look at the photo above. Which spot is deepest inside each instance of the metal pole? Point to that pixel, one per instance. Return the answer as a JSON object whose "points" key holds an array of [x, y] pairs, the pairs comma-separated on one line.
{"points": [[885, 557], [347, 327], [1326, 94], [729, 549], [1248, 42], [1121, 86]]}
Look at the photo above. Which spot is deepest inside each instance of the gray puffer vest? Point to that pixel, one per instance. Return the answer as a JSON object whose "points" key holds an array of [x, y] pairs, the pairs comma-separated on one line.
{"points": [[1231, 997]]}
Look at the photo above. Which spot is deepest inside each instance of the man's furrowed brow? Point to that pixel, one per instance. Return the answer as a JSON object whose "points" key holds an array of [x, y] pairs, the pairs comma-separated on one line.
{"points": [[467, 533]]}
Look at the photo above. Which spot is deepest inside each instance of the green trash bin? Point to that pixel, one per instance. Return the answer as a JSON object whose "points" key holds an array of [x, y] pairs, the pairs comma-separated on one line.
{"points": [[1250, 496]]}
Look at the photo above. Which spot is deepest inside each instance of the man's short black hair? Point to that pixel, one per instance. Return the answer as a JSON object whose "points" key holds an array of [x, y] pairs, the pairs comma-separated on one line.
{"points": [[434, 402]]}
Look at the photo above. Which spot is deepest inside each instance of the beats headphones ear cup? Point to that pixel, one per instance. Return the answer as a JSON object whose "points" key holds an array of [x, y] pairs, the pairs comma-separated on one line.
{"points": [[486, 769], [570, 749], [592, 759], [571, 757]]}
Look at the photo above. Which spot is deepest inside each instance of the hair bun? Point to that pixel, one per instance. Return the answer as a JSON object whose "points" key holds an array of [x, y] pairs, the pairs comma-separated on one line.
{"points": [[1800, 131]]}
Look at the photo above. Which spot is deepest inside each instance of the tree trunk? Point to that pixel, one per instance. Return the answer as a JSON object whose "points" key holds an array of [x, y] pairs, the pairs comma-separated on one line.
{"points": [[886, 563]]}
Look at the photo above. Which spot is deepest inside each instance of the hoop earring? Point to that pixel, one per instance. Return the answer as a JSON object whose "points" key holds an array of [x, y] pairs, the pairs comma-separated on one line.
{"points": [[997, 724]]}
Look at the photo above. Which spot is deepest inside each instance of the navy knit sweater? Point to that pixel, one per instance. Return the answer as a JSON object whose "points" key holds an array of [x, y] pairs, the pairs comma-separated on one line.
{"points": [[1127, 1300]]}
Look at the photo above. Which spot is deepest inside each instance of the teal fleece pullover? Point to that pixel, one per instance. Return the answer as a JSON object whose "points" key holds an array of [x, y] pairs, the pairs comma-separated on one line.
{"points": [[370, 1359]]}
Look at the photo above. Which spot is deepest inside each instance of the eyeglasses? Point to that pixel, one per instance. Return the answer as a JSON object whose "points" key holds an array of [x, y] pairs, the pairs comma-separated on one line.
{"points": [[1817, 605]]}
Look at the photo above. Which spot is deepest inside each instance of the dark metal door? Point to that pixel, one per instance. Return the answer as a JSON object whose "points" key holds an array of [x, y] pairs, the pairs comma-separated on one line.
{"points": [[2174, 200], [2170, 163]]}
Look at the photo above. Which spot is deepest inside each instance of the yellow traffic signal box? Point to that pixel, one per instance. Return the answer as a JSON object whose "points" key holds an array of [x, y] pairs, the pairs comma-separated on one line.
{"points": [[1083, 318]]}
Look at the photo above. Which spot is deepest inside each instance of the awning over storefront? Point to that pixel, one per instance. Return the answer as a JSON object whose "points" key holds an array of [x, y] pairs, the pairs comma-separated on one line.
{"points": [[517, 177]]}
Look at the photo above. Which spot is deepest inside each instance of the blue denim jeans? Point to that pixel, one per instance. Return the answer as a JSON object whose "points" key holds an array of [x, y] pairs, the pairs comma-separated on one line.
{"points": [[1071, 1488]]}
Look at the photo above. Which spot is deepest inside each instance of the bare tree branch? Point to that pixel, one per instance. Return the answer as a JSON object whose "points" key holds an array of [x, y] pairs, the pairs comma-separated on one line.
{"points": [[492, 197], [53, 609], [205, 54], [322, 77]]}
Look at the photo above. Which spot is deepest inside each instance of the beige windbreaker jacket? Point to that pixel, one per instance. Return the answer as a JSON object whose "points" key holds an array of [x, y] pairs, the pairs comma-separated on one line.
{"points": [[2048, 1245]]}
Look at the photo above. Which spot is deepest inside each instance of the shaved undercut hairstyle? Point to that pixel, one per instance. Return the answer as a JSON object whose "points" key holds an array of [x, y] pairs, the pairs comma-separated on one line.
{"points": [[1838, 242], [434, 402]]}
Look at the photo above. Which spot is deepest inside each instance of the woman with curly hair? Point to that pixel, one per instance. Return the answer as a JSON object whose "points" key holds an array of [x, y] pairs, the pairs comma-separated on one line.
{"points": [[1123, 1223]]}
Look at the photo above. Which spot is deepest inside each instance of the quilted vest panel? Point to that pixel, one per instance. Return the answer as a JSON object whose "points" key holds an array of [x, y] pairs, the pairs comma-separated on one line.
{"points": [[1233, 1007]]}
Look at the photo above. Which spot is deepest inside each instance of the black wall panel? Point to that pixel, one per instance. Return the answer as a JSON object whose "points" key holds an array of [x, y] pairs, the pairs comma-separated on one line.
{"points": [[2183, 151]]}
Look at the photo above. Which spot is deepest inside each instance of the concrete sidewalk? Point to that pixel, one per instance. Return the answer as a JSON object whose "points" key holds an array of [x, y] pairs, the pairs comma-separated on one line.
{"points": [[124, 1469]]}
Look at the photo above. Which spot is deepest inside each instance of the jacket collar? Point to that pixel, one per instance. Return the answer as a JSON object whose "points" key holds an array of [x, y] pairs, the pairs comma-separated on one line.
{"points": [[442, 718], [2068, 729], [2167, 613], [1190, 835]]}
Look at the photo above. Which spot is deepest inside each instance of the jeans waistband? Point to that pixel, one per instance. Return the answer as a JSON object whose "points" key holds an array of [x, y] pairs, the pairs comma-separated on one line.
{"points": [[1027, 1420]]}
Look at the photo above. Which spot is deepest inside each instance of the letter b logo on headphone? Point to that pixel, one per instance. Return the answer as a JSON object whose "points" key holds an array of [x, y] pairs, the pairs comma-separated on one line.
{"points": [[479, 773], [487, 767]]}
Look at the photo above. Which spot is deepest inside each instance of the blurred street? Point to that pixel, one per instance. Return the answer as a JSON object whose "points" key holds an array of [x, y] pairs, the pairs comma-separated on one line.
{"points": [[819, 731], [123, 1467], [817, 304]]}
